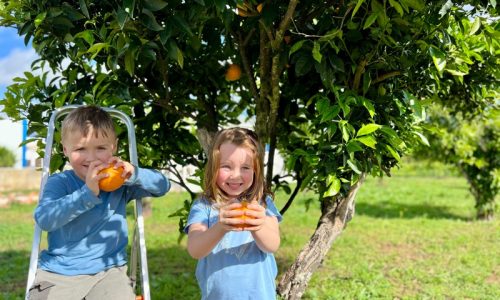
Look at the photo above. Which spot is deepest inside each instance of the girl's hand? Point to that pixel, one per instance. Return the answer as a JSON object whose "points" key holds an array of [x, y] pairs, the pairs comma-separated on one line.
{"points": [[256, 214], [229, 216], [128, 168]]}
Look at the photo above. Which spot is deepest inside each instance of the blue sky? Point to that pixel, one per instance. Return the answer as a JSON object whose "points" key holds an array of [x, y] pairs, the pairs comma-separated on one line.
{"points": [[15, 57]]}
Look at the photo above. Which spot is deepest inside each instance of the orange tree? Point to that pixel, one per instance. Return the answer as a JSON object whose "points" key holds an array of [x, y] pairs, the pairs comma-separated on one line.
{"points": [[338, 87]]}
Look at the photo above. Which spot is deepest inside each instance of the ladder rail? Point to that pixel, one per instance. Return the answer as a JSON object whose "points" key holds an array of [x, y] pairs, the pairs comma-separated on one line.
{"points": [[139, 226]]}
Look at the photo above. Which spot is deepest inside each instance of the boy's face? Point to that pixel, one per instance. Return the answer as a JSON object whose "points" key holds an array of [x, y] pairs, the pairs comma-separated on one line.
{"points": [[81, 151], [235, 173]]}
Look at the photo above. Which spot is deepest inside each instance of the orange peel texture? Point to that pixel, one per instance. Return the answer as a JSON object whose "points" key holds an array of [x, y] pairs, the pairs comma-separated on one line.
{"points": [[114, 179]]}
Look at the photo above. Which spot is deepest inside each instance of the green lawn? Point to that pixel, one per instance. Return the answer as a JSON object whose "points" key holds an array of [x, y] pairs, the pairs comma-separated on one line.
{"points": [[413, 237]]}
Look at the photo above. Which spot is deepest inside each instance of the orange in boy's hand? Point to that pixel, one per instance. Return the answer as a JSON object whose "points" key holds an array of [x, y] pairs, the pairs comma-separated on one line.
{"points": [[243, 217], [114, 179]]}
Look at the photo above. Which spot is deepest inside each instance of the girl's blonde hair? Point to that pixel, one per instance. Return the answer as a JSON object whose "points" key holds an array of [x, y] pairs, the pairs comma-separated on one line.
{"points": [[88, 117], [240, 137]]}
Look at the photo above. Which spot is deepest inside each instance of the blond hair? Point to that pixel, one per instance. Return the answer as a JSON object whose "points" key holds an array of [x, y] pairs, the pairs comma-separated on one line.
{"points": [[240, 137], [85, 118]]}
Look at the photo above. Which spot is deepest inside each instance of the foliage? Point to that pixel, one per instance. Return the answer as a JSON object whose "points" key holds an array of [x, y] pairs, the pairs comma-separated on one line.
{"points": [[7, 157], [471, 145]]}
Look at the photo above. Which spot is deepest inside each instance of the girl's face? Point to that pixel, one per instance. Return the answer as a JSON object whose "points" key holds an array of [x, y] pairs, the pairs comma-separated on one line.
{"points": [[235, 173], [81, 151]]}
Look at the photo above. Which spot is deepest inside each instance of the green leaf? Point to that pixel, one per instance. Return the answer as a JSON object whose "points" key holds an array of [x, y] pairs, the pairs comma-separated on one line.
{"points": [[296, 47], [353, 166], [129, 7], [422, 138], [397, 7], [96, 48], [39, 18], [329, 113], [121, 17], [130, 62], [333, 184], [369, 106], [303, 65], [182, 24], [353, 146], [154, 5], [368, 140], [83, 7], [475, 26], [345, 131], [367, 129], [394, 153], [438, 57], [316, 52], [370, 20], [415, 4], [180, 58], [356, 8], [149, 20], [87, 35]]}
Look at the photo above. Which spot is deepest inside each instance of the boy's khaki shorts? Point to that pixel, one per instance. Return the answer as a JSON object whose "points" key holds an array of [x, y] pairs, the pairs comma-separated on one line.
{"points": [[112, 284]]}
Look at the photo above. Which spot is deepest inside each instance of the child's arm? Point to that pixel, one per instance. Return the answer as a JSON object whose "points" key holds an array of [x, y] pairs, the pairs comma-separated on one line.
{"points": [[265, 229], [201, 239], [60, 205], [151, 182]]}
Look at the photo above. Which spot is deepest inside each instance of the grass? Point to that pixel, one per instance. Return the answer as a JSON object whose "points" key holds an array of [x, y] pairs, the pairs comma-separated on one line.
{"points": [[413, 237]]}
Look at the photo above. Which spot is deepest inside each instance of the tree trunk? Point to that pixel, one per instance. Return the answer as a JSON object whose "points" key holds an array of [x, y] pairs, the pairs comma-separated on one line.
{"points": [[332, 222]]}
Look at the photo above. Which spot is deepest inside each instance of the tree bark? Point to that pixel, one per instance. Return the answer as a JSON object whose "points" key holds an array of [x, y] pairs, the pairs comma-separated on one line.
{"points": [[337, 212]]}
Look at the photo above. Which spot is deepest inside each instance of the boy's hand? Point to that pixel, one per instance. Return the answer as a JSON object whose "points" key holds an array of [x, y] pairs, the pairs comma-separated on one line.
{"points": [[93, 176], [128, 168]]}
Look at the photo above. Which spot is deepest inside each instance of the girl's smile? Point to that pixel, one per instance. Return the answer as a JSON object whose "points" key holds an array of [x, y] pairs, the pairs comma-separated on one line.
{"points": [[236, 171]]}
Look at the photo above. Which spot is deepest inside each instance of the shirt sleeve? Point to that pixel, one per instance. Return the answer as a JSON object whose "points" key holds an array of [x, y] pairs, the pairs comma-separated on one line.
{"points": [[59, 205], [271, 209], [147, 183], [198, 214]]}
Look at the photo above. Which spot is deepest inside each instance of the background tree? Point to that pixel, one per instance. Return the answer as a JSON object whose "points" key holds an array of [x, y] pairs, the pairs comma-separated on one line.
{"points": [[338, 87], [7, 157], [470, 145]]}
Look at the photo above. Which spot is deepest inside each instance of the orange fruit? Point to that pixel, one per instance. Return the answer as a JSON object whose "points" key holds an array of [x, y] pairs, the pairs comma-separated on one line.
{"points": [[243, 217], [259, 7], [233, 72], [114, 179]]}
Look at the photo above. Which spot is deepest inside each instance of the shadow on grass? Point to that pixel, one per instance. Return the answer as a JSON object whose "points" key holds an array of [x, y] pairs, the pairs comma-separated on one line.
{"points": [[172, 273], [390, 210]]}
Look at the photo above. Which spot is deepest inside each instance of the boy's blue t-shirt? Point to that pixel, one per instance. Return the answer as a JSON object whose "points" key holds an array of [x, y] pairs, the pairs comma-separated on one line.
{"points": [[236, 268], [88, 234]]}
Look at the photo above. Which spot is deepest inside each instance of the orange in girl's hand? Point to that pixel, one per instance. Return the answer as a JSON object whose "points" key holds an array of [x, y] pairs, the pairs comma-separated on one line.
{"points": [[243, 217], [114, 179]]}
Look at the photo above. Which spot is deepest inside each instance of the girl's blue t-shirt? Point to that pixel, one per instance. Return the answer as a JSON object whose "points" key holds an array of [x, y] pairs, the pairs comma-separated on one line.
{"points": [[236, 268]]}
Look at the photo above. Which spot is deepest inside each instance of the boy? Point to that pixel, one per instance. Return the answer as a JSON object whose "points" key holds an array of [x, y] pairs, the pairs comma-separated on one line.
{"points": [[87, 230]]}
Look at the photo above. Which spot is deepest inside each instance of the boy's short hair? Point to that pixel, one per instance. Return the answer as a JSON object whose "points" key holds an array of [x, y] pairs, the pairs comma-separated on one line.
{"points": [[88, 117]]}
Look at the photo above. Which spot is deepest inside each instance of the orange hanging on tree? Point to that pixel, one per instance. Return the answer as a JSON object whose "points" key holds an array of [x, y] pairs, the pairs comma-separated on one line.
{"points": [[233, 72]]}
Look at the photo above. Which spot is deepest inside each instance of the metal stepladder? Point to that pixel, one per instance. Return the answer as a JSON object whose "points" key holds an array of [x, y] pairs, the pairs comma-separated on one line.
{"points": [[138, 236]]}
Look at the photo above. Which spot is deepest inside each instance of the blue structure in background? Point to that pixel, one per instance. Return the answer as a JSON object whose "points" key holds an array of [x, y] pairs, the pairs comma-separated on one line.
{"points": [[24, 161]]}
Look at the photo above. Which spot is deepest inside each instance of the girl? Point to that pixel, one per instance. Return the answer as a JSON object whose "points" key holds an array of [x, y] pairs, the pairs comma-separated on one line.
{"points": [[235, 259]]}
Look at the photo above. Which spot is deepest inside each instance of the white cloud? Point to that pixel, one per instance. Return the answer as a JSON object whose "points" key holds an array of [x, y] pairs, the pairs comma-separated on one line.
{"points": [[15, 63]]}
